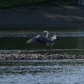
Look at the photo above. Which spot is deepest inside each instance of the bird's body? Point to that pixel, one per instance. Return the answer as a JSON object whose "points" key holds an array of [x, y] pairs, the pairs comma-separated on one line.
{"points": [[43, 39]]}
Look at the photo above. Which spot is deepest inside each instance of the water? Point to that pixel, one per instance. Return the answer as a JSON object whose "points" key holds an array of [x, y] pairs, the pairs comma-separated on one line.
{"points": [[71, 41], [66, 71]]}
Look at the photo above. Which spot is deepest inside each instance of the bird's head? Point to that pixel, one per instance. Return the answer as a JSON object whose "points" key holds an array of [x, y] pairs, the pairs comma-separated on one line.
{"points": [[55, 37]]}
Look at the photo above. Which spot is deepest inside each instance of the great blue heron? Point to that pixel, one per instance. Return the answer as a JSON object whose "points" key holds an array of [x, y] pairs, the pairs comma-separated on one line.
{"points": [[44, 39]]}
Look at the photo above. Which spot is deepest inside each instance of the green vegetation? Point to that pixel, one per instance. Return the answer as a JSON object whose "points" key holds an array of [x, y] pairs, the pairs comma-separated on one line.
{"points": [[18, 3]]}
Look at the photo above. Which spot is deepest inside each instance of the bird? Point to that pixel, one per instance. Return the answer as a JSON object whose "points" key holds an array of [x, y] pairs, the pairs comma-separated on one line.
{"points": [[44, 39]]}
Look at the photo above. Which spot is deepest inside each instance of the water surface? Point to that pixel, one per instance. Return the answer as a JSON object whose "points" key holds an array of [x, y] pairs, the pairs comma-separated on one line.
{"points": [[66, 71], [70, 41]]}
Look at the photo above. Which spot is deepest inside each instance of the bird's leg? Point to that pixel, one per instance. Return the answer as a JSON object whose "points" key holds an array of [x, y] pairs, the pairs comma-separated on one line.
{"points": [[51, 49]]}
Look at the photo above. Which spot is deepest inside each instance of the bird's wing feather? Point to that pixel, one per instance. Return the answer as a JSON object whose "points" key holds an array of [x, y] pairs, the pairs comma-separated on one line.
{"points": [[40, 39], [43, 40], [32, 39]]}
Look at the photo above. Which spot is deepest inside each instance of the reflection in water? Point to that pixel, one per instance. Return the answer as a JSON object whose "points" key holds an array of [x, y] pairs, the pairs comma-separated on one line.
{"points": [[66, 71]]}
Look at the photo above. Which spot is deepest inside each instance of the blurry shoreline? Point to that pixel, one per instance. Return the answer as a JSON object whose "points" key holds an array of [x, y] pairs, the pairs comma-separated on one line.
{"points": [[57, 16]]}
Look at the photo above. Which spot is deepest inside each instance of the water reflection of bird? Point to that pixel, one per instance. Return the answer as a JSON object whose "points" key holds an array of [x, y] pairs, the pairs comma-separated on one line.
{"points": [[44, 39]]}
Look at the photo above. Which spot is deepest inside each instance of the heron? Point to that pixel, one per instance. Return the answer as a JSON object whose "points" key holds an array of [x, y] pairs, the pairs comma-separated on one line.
{"points": [[44, 39]]}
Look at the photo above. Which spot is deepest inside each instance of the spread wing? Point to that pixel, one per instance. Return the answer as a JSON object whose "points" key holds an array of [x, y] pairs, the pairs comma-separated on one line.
{"points": [[40, 39], [33, 39]]}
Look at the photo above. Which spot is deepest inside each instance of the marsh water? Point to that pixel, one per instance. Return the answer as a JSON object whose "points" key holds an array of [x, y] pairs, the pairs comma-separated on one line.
{"points": [[62, 71], [65, 71], [70, 41]]}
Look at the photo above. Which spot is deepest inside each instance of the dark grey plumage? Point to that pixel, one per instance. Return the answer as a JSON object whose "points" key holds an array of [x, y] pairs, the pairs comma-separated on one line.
{"points": [[43, 40]]}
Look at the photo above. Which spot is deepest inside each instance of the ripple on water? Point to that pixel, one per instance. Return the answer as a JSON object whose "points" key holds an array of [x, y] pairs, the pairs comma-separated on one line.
{"points": [[34, 33], [42, 71], [62, 51]]}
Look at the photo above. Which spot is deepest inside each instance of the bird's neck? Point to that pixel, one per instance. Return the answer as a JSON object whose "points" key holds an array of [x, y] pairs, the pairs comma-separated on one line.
{"points": [[47, 35]]}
